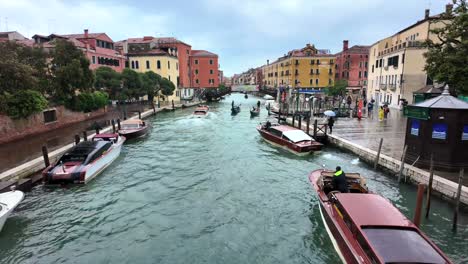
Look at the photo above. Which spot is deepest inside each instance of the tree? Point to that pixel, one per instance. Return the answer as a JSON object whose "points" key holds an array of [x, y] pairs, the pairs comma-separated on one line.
{"points": [[339, 89], [131, 83], [447, 57], [151, 84], [24, 103], [70, 69], [108, 79], [167, 87]]}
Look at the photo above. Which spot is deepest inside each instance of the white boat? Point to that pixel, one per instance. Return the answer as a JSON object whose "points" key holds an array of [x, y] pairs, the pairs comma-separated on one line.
{"points": [[8, 202], [268, 97], [85, 161]]}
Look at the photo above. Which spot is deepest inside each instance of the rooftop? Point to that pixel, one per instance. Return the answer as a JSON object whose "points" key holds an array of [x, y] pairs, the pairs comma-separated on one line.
{"points": [[445, 100], [202, 53]]}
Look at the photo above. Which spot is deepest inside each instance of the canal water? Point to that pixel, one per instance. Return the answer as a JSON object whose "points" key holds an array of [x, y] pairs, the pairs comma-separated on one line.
{"points": [[200, 191]]}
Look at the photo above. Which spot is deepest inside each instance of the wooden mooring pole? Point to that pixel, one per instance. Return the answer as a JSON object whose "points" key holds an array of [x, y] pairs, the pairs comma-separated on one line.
{"points": [[457, 201], [376, 162], [139, 112], [113, 125], [315, 128], [97, 130], [173, 107], [300, 123], [308, 124], [402, 163], [85, 136], [77, 139], [45, 154], [419, 200], [118, 124], [429, 187], [293, 119], [269, 108]]}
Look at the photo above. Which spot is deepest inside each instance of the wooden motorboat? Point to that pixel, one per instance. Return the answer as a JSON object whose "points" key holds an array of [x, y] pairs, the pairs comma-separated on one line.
{"points": [[85, 161], [366, 228], [288, 137], [254, 112], [133, 128], [8, 202], [201, 111]]}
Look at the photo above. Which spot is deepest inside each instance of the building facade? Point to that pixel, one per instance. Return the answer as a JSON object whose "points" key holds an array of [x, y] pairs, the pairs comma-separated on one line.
{"points": [[351, 65], [203, 69], [302, 68], [97, 47], [396, 63]]}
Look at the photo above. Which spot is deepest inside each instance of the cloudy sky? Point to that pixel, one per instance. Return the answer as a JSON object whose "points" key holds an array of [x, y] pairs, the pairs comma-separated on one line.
{"points": [[243, 33]]}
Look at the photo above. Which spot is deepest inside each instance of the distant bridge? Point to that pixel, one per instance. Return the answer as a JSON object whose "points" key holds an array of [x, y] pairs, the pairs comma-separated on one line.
{"points": [[244, 88]]}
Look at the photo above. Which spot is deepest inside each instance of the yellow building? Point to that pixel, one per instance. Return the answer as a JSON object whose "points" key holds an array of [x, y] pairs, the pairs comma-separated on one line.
{"points": [[302, 68], [162, 62], [396, 63]]}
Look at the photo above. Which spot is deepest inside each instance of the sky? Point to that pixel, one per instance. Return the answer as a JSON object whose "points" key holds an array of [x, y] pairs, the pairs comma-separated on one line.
{"points": [[243, 33]]}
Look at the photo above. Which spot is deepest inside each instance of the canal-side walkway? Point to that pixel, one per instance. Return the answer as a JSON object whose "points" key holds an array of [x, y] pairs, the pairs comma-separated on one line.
{"points": [[18, 173]]}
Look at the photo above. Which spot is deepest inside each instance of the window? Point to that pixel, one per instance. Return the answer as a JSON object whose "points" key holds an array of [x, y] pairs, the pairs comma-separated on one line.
{"points": [[439, 131], [177, 66], [365, 64], [317, 71], [133, 65], [311, 81], [211, 62], [330, 81], [158, 64], [169, 77], [196, 81], [147, 64], [297, 62], [211, 71], [318, 62], [403, 58], [360, 75], [330, 71], [312, 62], [376, 63], [297, 72], [316, 81], [94, 59], [360, 64], [465, 133], [331, 61], [414, 130], [136, 65], [372, 68], [168, 64], [365, 74], [196, 61], [50, 116], [126, 64], [347, 74]]}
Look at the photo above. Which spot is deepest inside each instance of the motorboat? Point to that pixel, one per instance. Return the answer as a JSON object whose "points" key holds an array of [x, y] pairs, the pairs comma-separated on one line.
{"points": [[272, 106], [288, 137], [367, 228], [8, 202], [201, 111], [85, 161], [254, 112], [268, 97], [133, 128]]}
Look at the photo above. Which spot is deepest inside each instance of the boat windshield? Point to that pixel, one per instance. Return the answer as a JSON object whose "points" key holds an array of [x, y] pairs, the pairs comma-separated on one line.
{"points": [[130, 126], [200, 112], [401, 245], [296, 136]]}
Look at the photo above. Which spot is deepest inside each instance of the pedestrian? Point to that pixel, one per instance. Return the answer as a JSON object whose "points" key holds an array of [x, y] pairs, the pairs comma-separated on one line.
{"points": [[370, 108], [381, 113], [331, 122], [386, 111], [349, 100]]}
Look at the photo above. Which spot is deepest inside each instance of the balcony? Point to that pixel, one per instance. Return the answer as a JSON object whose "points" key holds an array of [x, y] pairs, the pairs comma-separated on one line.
{"points": [[311, 73], [383, 86], [392, 87]]}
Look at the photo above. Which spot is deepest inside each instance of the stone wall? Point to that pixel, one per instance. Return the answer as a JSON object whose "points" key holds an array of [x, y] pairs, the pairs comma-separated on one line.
{"points": [[12, 129]]}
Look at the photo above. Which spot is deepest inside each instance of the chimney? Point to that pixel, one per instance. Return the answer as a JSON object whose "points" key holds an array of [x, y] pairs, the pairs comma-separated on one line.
{"points": [[268, 62], [86, 33], [426, 13], [345, 45], [448, 9], [86, 38]]}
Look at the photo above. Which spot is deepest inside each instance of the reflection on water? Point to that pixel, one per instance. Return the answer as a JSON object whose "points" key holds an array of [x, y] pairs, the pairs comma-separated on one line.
{"points": [[200, 190]]}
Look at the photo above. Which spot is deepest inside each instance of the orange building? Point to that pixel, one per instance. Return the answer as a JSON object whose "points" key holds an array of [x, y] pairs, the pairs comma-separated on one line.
{"points": [[203, 69]]}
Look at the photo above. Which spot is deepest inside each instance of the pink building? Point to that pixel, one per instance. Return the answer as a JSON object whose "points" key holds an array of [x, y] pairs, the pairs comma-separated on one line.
{"points": [[351, 65], [203, 69], [97, 47]]}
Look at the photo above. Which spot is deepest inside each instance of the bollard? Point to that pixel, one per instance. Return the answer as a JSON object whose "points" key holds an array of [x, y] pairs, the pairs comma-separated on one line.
{"points": [[139, 114], [457, 201], [429, 187], [419, 200], [315, 128], [308, 124], [113, 125], [97, 130], [118, 124], [85, 136], [402, 163], [376, 162], [77, 139], [45, 154]]}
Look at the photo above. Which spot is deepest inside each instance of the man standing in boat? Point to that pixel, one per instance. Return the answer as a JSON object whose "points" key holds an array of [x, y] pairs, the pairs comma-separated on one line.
{"points": [[339, 180]]}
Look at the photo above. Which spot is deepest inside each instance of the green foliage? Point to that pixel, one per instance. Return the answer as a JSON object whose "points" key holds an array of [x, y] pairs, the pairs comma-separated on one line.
{"points": [[87, 102], [108, 79], [23, 103], [131, 84], [339, 89], [70, 69], [167, 87], [447, 58], [151, 84], [100, 99]]}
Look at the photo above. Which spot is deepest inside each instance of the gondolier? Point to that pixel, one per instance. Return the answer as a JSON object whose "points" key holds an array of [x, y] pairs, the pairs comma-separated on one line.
{"points": [[339, 180]]}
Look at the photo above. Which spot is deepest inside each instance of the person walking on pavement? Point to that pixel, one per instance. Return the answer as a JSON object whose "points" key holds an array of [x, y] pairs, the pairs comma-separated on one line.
{"points": [[331, 122], [370, 108], [349, 100], [386, 111], [339, 180], [381, 113]]}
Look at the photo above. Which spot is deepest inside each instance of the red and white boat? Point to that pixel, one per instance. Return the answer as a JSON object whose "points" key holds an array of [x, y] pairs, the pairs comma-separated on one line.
{"points": [[85, 161], [133, 128], [201, 111], [367, 228], [293, 139]]}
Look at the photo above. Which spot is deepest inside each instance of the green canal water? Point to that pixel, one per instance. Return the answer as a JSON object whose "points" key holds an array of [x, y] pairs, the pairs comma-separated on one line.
{"points": [[200, 191]]}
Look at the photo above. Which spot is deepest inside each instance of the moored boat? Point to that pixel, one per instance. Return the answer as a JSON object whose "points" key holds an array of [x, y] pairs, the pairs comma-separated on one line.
{"points": [[366, 228], [201, 111], [254, 112], [293, 139], [85, 161], [133, 128], [8, 202]]}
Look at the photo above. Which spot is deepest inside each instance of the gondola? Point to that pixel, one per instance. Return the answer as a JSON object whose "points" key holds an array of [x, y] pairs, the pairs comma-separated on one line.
{"points": [[254, 112]]}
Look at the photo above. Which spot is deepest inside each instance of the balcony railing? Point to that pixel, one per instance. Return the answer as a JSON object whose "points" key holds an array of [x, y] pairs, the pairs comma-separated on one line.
{"points": [[392, 86], [383, 86]]}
